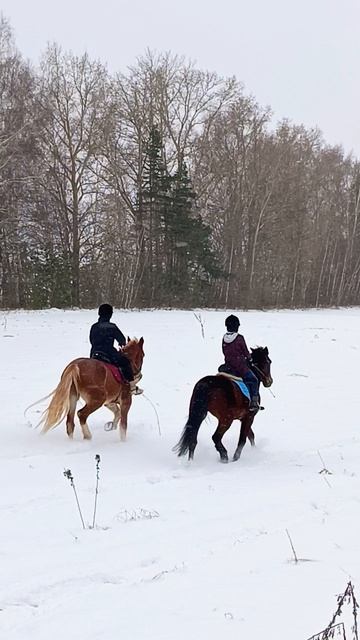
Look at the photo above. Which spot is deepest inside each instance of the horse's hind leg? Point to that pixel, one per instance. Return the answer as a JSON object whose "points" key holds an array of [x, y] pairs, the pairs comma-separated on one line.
{"points": [[245, 431], [70, 424], [84, 413], [222, 428]]}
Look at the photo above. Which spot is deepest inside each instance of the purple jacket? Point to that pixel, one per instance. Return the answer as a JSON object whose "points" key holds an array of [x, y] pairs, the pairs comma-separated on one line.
{"points": [[236, 353]]}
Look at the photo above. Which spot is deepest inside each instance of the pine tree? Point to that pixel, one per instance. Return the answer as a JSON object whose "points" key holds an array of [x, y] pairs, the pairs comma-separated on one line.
{"points": [[178, 259], [155, 199], [192, 262]]}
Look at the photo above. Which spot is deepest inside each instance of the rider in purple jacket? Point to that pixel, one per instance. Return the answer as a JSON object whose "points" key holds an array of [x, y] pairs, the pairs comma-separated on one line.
{"points": [[237, 357]]}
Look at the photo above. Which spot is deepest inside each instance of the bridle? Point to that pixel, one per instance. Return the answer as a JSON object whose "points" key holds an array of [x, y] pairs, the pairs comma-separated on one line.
{"points": [[259, 373], [136, 370]]}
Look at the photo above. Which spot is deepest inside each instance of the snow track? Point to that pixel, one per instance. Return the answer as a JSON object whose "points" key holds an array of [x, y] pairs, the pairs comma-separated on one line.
{"points": [[216, 560]]}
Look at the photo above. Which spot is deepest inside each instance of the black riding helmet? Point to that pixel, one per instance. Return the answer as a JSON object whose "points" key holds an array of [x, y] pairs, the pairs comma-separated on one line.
{"points": [[105, 311], [232, 323]]}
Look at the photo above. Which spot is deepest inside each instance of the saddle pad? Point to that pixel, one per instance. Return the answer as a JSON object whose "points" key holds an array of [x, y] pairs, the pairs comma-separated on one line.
{"points": [[115, 371], [243, 388]]}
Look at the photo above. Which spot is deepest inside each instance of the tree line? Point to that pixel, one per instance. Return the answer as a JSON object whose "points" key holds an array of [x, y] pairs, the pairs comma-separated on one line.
{"points": [[165, 186]]}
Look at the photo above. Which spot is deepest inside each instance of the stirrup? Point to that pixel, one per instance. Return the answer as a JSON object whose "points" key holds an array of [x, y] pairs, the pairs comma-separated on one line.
{"points": [[137, 391]]}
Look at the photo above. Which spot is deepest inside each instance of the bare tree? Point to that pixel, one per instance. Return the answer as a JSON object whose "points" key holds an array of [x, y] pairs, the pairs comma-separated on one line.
{"points": [[72, 94]]}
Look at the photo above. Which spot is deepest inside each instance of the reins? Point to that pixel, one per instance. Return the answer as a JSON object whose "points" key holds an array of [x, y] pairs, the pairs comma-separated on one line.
{"points": [[261, 374]]}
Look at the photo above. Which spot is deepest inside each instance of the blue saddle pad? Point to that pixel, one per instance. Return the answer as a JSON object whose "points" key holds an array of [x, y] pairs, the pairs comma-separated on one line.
{"points": [[243, 388]]}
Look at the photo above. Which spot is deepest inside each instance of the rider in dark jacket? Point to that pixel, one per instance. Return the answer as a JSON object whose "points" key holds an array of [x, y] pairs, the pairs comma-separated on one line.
{"points": [[237, 358], [102, 336]]}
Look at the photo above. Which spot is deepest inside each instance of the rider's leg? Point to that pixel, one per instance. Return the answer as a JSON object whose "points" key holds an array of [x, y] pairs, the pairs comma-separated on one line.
{"points": [[252, 383], [124, 365]]}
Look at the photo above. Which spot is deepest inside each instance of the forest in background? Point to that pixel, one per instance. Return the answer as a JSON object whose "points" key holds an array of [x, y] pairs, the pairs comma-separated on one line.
{"points": [[165, 186]]}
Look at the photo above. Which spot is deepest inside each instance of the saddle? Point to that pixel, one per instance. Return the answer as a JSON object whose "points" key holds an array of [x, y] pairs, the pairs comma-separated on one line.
{"points": [[117, 373], [238, 381], [240, 384], [229, 375], [119, 377], [104, 358]]}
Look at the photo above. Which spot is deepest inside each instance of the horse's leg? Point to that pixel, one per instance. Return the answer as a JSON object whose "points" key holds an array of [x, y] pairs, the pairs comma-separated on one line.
{"points": [[245, 431], [83, 414], [115, 408], [125, 404], [222, 428], [251, 436], [70, 424]]}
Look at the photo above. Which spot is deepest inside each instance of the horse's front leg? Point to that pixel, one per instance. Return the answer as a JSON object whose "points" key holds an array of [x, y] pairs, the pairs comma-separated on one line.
{"points": [[245, 431], [222, 428], [115, 408], [125, 404], [251, 435]]}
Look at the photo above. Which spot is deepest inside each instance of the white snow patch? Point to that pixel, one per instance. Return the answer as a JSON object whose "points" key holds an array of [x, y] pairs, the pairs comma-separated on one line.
{"points": [[215, 561]]}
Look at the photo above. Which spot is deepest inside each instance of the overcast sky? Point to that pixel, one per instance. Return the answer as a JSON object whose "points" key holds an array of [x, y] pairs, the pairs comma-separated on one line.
{"points": [[300, 57]]}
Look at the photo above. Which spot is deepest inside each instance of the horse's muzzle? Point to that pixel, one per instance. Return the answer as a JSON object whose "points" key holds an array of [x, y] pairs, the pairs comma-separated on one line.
{"points": [[268, 381]]}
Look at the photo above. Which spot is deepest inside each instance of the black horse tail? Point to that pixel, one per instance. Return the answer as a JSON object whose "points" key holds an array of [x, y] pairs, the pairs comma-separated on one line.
{"points": [[197, 413]]}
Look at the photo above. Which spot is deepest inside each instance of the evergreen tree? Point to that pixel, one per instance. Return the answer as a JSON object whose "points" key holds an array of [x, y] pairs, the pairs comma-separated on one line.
{"points": [[155, 198], [191, 261]]}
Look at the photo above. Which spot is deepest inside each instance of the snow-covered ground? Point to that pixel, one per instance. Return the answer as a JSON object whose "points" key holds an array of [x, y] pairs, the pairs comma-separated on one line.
{"points": [[214, 560]]}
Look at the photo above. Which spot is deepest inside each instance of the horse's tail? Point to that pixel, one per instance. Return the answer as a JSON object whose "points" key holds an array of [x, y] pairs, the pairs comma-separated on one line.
{"points": [[197, 413], [60, 403]]}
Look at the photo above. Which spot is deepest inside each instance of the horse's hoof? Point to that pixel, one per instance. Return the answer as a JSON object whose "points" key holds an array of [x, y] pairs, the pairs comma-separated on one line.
{"points": [[236, 456], [109, 426], [224, 458]]}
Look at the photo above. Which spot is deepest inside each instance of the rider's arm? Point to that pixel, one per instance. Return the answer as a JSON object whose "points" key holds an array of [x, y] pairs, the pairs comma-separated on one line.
{"points": [[119, 337], [241, 344]]}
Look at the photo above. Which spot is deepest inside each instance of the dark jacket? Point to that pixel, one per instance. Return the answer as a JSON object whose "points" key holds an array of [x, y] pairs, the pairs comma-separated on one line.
{"points": [[236, 354], [102, 336]]}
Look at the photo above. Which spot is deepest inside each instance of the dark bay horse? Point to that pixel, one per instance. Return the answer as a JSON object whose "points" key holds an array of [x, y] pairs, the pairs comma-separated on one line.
{"points": [[93, 381], [219, 395]]}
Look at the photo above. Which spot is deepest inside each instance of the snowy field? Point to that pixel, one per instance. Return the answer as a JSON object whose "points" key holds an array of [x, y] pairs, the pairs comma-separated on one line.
{"points": [[215, 562]]}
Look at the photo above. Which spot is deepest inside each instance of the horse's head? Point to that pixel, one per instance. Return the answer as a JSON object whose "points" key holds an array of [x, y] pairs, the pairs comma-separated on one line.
{"points": [[261, 365], [134, 349]]}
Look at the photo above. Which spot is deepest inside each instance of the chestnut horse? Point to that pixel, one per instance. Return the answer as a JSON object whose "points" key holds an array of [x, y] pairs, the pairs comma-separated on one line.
{"points": [[222, 397], [93, 381]]}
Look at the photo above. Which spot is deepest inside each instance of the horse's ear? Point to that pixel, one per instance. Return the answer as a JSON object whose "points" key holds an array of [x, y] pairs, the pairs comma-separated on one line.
{"points": [[266, 350], [251, 349], [141, 341], [128, 339]]}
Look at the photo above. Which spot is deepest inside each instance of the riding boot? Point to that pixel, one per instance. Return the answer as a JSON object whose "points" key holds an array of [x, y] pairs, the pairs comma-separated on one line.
{"points": [[135, 390], [254, 404]]}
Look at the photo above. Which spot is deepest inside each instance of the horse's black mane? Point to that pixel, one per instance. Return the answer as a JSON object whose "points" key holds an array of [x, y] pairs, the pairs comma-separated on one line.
{"points": [[258, 353]]}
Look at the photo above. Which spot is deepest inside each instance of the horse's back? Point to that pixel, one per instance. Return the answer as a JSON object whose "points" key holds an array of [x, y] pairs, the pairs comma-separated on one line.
{"points": [[223, 395], [90, 371], [217, 382]]}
